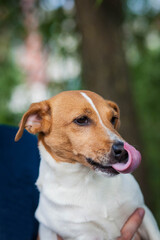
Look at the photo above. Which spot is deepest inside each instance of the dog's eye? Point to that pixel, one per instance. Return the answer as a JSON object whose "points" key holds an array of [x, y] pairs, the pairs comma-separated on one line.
{"points": [[114, 120], [82, 121]]}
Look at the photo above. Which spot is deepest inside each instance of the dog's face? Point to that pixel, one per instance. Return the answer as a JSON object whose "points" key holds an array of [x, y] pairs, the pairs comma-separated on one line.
{"points": [[78, 126]]}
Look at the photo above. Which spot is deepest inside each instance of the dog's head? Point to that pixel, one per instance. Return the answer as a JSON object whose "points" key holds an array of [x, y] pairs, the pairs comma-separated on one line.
{"points": [[80, 126]]}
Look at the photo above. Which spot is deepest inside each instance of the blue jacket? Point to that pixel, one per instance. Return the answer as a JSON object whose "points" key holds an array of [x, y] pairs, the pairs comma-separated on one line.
{"points": [[19, 165]]}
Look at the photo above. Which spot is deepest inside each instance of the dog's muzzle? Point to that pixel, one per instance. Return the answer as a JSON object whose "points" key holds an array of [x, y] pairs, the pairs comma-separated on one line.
{"points": [[123, 158]]}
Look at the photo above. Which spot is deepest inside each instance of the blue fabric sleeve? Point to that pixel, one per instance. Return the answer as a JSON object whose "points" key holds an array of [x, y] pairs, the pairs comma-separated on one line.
{"points": [[19, 165]]}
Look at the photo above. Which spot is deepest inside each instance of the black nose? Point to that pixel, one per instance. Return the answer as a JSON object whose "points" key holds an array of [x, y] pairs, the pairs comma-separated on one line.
{"points": [[119, 152], [118, 147]]}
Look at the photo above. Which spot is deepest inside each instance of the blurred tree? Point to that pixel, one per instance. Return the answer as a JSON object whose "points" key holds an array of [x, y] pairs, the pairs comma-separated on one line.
{"points": [[104, 65], [34, 57], [34, 61]]}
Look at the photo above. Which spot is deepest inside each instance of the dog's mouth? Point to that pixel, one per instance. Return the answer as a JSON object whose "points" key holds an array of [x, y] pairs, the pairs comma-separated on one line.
{"points": [[105, 169], [124, 158]]}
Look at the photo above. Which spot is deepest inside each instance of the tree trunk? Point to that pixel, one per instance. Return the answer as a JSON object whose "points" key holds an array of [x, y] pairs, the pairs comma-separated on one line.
{"points": [[104, 65]]}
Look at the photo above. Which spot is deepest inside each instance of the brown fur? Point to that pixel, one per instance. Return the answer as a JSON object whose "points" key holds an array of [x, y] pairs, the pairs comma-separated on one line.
{"points": [[62, 138]]}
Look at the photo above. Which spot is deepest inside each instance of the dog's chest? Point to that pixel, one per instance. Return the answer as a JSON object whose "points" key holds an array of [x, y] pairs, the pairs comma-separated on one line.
{"points": [[78, 196], [78, 209]]}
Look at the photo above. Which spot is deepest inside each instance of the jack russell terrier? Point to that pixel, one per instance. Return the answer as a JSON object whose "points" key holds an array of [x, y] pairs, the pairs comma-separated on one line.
{"points": [[86, 189]]}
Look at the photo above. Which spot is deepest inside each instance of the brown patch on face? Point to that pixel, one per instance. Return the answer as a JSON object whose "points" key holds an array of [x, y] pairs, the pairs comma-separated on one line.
{"points": [[115, 114], [87, 111], [65, 140], [57, 154]]}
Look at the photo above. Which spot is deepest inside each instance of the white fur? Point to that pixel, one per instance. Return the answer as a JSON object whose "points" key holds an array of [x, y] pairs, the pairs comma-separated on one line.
{"points": [[109, 132], [78, 204]]}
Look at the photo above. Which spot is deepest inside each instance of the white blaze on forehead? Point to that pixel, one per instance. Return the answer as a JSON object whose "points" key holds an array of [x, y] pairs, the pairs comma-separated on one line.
{"points": [[93, 106], [112, 135]]}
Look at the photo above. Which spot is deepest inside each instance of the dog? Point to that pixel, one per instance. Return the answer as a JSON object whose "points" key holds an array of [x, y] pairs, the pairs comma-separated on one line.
{"points": [[86, 189]]}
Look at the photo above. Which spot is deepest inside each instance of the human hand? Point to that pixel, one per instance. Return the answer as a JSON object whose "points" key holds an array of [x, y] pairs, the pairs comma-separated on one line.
{"points": [[130, 228]]}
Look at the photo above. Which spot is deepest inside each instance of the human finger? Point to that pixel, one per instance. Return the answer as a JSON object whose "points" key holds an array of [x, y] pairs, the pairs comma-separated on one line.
{"points": [[131, 226], [59, 238]]}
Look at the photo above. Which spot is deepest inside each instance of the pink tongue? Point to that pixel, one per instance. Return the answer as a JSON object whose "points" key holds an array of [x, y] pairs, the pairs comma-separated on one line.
{"points": [[134, 159]]}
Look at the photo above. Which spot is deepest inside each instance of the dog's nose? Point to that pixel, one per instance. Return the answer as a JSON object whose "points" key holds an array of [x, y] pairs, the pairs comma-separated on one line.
{"points": [[119, 152], [118, 147]]}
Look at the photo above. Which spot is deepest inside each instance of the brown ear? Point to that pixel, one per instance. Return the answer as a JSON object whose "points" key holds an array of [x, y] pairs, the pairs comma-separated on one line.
{"points": [[36, 119], [117, 110]]}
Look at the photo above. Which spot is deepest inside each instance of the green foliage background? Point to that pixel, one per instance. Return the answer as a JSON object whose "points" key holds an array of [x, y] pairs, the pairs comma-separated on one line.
{"points": [[144, 70], [143, 64], [146, 85]]}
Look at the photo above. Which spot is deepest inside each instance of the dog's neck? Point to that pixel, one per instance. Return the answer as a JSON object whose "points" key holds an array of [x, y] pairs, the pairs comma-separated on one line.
{"points": [[75, 184], [64, 173]]}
